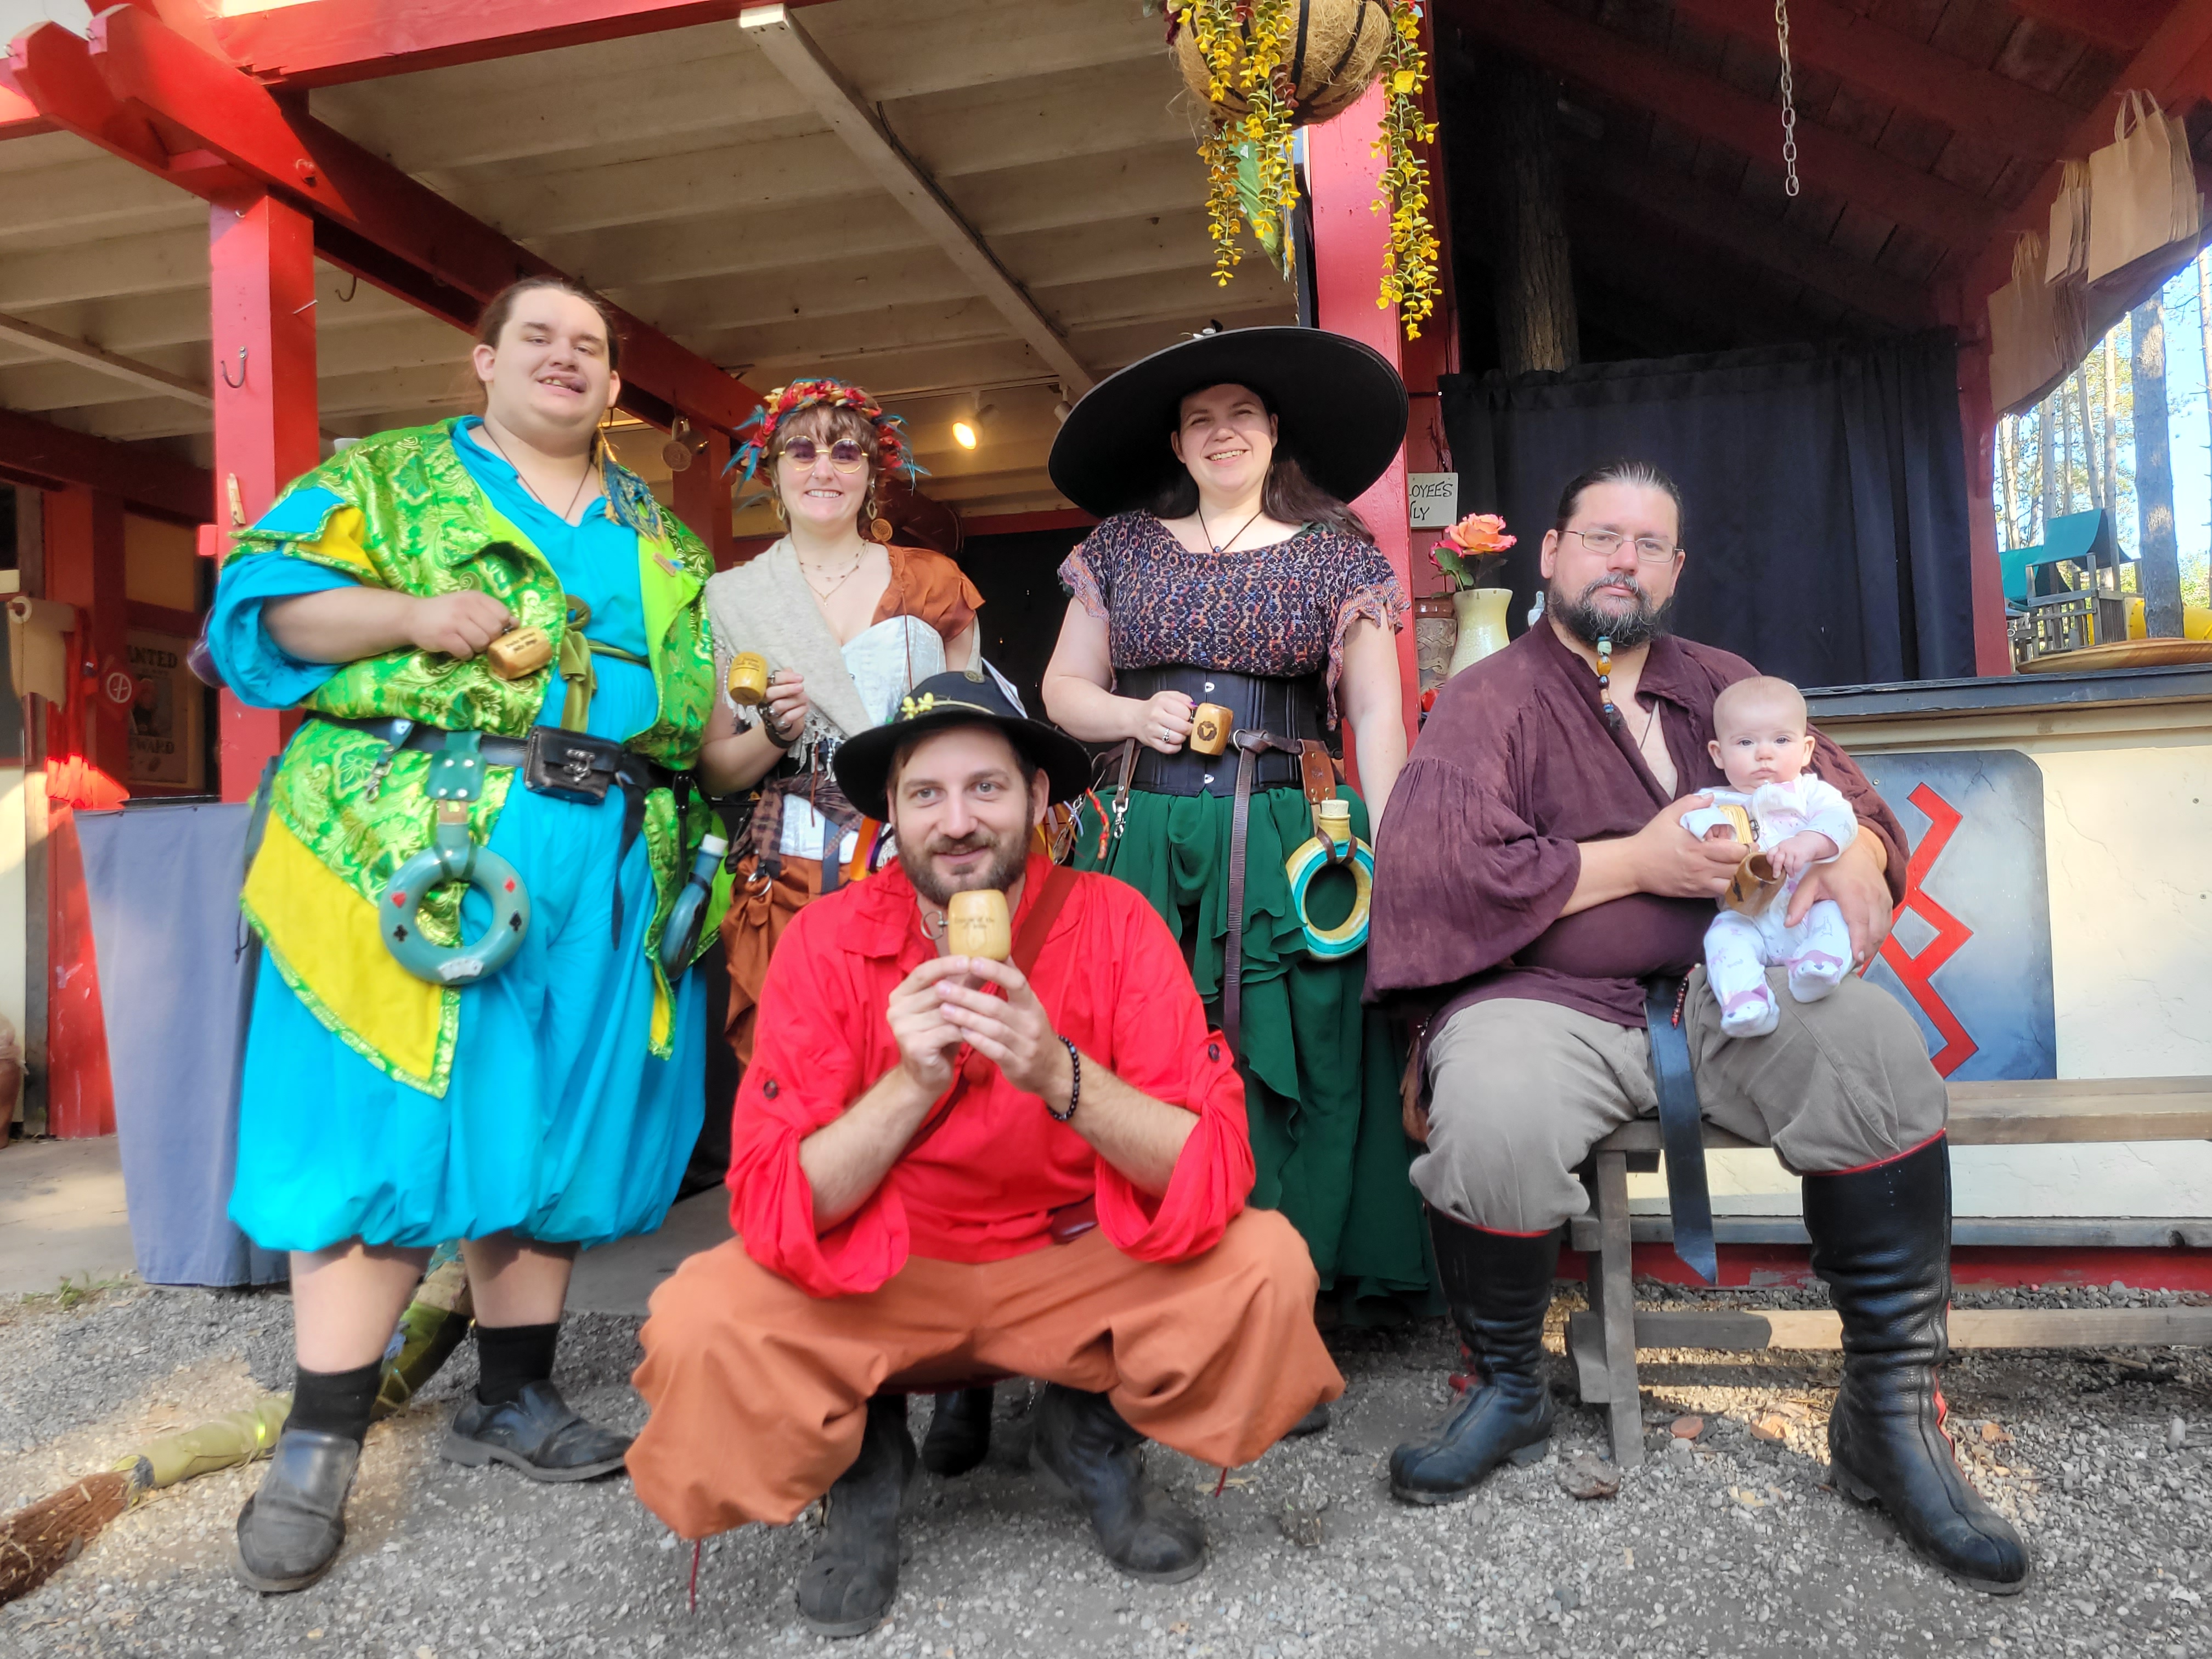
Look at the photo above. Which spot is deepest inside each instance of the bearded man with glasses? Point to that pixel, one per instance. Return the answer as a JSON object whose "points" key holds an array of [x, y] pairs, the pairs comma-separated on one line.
{"points": [[1536, 898]]}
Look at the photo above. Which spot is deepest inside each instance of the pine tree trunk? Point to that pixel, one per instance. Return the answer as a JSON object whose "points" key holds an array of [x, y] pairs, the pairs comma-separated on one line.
{"points": [[2065, 447], [2008, 465], [2046, 476], [2092, 476], [2158, 572], [2110, 458], [1537, 326]]}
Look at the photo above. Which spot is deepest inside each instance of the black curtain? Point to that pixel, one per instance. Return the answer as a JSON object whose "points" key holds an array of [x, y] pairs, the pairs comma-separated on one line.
{"points": [[1018, 576], [1825, 490]]}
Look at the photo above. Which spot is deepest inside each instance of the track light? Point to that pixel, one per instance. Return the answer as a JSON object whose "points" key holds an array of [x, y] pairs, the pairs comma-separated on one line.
{"points": [[968, 429]]}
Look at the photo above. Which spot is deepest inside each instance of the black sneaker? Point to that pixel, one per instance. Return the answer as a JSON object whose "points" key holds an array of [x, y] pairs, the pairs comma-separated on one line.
{"points": [[539, 1434]]}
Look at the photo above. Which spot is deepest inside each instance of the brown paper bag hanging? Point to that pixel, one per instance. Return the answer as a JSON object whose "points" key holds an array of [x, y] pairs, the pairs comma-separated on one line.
{"points": [[2026, 348], [2132, 188], [2188, 206], [2070, 225]]}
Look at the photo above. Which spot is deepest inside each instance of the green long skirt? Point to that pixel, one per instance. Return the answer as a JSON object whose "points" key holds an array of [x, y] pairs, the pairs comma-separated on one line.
{"points": [[1320, 1071]]}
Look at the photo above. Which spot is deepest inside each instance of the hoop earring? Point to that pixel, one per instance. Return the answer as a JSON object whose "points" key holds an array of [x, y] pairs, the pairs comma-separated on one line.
{"points": [[776, 502], [879, 528]]}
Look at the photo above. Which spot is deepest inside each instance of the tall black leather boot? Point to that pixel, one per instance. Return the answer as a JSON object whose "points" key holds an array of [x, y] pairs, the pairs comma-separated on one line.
{"points": [[1881, 1240], [959, 1434], [1084, 1443], [1499, 1288], [851, 1583]]}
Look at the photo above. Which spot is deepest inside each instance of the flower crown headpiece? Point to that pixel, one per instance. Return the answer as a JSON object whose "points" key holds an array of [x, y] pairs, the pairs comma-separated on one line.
{"points": [[786, 401]]}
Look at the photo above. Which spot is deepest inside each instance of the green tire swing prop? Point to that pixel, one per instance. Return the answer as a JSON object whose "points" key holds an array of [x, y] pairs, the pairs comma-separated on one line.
{"points": [[1315, 856], [455, 778]]}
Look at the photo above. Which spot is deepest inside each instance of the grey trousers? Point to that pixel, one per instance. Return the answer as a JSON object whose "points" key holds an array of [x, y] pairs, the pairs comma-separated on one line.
{"points": [[1519, 1092]]}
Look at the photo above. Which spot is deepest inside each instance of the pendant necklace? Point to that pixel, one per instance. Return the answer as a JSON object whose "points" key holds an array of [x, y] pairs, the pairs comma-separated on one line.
{"points": [[1605, 693], [1224, 547], [583, 479]]}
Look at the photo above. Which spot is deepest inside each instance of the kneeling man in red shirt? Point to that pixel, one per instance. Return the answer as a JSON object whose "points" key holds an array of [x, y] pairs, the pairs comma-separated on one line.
{"points": [[947, 1169]]}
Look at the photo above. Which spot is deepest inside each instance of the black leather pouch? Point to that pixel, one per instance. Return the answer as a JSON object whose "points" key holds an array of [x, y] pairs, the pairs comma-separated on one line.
{"points": [[569, 765]]}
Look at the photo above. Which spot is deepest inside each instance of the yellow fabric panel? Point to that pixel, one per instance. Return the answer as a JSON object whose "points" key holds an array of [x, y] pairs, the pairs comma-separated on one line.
{"points": [[341, 540], [323, 938]]}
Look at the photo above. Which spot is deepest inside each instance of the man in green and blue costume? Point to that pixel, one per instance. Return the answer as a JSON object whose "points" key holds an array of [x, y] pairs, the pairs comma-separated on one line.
{"points": [[528, 1111]]}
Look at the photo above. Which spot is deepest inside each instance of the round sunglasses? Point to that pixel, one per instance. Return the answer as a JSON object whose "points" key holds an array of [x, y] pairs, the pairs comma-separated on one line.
{"points": [[846, 455]]}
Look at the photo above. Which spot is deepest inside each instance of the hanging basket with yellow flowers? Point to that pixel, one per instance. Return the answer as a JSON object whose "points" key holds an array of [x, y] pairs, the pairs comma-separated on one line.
{"points": [[1265, 67]]}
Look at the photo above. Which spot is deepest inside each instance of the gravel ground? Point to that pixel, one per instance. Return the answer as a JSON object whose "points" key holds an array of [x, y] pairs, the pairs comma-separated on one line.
{"points": [[1727, 1545]]}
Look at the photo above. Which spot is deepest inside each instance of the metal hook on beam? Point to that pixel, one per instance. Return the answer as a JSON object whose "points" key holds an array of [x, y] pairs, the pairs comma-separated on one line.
{"points": [[238, 384], [346, 298]]}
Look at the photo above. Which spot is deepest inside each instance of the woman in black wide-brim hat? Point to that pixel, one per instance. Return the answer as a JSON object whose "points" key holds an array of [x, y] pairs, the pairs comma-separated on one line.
{"points": [[1228, 570]]}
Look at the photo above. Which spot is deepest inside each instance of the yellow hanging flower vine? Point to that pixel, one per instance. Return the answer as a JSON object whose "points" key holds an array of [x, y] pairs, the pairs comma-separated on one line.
{"points": [[1244, 47]]}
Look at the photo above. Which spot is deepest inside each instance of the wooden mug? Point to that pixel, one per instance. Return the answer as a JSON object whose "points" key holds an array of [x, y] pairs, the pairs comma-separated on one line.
{"points": [[519, 652], [1210, 725], [976, 924], [748, 679], [1754, 887]]}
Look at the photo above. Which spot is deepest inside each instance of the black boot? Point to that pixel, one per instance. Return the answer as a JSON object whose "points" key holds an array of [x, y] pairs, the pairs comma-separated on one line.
{"points": [[290, 1530], [1499, 1287], [539, 1432], [851, 1583], [1082, 1442], [959, 1432], [1882, 1239]]}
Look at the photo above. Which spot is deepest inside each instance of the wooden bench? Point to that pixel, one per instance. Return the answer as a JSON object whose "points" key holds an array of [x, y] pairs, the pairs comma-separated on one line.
{"points": [[1603, 1342]]}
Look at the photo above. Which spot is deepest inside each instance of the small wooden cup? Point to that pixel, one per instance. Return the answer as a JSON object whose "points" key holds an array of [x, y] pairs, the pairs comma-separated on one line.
{"points": [[1754, 887], [976, 924], [748, 679], [519, 652], [1210, 725]]}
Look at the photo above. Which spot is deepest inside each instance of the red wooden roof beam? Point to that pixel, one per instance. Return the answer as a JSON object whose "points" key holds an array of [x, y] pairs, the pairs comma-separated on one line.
{"points": [[53, 456], [324, 42]]}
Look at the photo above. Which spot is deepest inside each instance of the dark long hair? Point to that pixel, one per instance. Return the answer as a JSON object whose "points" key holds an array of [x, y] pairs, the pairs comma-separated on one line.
{"points": [[1289, 496]]}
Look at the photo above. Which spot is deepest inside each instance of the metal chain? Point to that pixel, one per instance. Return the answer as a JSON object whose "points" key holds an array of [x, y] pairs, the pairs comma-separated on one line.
{"points": [[1789, 101]]}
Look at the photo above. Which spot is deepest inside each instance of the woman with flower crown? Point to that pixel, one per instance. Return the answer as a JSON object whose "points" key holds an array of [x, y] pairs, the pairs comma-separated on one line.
{"points": [[848, 623]]}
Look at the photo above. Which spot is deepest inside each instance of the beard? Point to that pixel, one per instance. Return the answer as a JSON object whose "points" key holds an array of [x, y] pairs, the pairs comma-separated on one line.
{"points": [[1627, 629], [1009, 857]]}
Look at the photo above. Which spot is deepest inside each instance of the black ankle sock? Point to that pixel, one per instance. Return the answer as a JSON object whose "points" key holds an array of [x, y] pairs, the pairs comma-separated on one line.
{"points": [[336, 1402], [511, 1357]]}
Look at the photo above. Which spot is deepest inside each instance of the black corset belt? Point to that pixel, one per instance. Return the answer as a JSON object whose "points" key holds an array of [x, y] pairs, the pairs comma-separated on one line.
{"points": [[1289, 708]]}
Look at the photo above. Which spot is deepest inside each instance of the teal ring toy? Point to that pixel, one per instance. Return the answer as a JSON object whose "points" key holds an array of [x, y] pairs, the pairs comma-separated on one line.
{"points": [[1350, 934], [452, 856]]}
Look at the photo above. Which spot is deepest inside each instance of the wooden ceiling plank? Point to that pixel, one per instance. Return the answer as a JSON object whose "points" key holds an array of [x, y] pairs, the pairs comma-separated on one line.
{"points": [[171, 261], [68, 349], [793, 51], [1587, 54], [2174, 63], [1893, 66], [1722, 218], [2120, 25]]}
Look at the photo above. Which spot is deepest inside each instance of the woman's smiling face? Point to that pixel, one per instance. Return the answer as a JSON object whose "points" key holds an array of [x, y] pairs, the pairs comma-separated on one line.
{"points": [[818, 492], [1226, 438], [550, 378]]}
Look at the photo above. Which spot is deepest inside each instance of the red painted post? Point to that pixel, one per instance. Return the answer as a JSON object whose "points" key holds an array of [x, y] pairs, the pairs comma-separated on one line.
{"points": [[1350, 239], [702, 497], [80, 1092], [84, 568], [261, 272]]}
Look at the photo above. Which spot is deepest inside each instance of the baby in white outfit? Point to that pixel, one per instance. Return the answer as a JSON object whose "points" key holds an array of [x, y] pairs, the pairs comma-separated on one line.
{"points": [[1764, 747]]}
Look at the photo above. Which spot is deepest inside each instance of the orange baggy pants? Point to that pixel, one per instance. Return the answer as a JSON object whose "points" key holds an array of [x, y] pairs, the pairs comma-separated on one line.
{"points": [[759, 1391]]}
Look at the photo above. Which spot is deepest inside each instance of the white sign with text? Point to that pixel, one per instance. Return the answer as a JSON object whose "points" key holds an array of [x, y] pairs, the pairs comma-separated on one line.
{"points": [[1432, 499]]}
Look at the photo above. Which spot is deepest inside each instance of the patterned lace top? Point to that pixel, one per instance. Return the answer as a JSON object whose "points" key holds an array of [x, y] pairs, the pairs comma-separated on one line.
{"points": [[1281, 611]]}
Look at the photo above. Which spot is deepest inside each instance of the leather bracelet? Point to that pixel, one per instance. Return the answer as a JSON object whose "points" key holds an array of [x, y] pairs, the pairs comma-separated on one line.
{"points": [[776, 733], [1074, 1086]]}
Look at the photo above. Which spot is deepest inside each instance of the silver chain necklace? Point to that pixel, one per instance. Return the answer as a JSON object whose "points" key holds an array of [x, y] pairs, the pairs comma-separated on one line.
{"points": [[585, 479]]}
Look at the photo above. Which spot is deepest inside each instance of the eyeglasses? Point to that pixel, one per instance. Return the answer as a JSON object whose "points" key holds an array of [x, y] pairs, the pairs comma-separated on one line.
{"points": [[1649, 550], [846, 455]]}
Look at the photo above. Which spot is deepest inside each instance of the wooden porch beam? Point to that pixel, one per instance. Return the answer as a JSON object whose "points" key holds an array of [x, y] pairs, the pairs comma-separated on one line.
{"points": [[143, 92], [1727, 221], [67, 348], [324, 42], [2115, 24], [55, 457], [18, 116], [2174, 64], [793, 51], [1987, 107], [1596, 57]]}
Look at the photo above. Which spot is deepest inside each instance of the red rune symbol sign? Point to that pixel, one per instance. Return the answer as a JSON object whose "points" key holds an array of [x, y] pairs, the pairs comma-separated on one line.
{"points": [[1916, 971]]}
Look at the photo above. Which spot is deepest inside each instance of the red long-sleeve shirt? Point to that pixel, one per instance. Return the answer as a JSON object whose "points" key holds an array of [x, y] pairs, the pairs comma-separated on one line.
{"points": [[983, 1187]]}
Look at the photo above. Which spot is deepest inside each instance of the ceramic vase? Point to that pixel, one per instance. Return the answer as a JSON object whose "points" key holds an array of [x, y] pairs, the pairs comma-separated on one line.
{"points": [[1481, 613]]}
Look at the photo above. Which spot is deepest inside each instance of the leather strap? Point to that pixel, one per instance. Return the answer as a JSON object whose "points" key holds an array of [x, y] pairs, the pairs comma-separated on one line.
{"points": [[1681, 1127], [1028, 945], [1248, 745]]}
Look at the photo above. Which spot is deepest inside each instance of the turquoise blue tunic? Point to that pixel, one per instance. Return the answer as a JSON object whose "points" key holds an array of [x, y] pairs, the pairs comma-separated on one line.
{"points": [[558, 1123]]}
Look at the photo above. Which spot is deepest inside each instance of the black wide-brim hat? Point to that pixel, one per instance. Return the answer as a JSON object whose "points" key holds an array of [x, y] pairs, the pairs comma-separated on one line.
{"points": [[1338, 406], [862, 764]]}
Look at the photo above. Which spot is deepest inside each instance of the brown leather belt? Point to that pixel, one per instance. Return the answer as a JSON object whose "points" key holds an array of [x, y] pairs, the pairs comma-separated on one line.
{"points": [[1317, 776]]}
